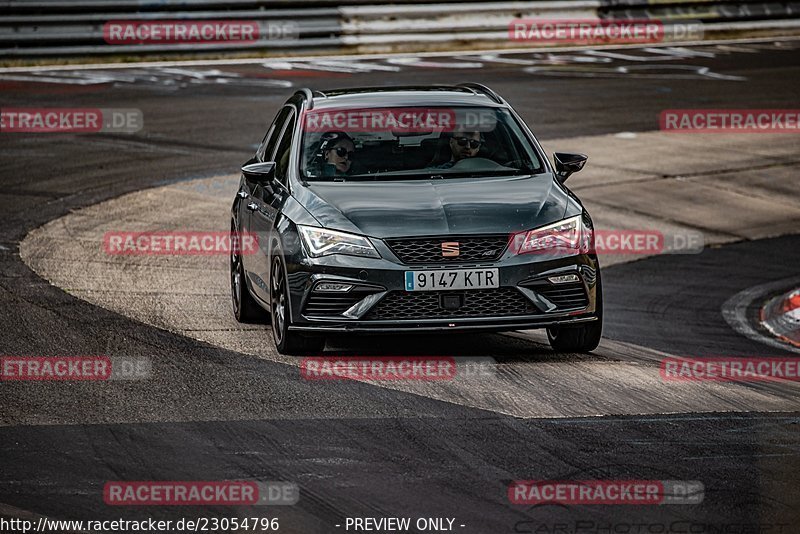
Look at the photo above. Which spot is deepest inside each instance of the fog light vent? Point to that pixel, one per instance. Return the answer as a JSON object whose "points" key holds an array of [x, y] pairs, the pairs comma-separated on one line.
{"points": [[563, 279], [332, 287]]}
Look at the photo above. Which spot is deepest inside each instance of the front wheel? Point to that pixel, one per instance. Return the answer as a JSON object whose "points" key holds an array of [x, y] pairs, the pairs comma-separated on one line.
{"points": [[583, 338], [286, 341]]}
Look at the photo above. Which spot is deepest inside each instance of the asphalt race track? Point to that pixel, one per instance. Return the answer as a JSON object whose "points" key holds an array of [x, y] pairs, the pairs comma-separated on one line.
{"points": [[222, 405]]}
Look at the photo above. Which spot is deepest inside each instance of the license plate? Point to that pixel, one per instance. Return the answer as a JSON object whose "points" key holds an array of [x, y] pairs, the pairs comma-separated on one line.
{"points": [[435, 280]]}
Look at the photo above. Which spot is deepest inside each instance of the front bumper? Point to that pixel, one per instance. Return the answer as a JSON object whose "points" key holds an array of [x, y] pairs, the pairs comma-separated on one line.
{"points": [[489, 324], [529, 300]]}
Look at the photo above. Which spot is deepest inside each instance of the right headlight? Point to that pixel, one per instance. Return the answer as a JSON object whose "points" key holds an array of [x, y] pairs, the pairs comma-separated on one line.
{"points": [[323, 242]]}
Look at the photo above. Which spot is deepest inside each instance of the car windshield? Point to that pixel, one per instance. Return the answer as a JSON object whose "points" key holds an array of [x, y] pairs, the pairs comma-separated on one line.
{"points": [[400, 143]]}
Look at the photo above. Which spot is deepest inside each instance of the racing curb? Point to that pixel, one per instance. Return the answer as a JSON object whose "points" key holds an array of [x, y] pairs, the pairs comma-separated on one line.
{"points": [[781, 316]]}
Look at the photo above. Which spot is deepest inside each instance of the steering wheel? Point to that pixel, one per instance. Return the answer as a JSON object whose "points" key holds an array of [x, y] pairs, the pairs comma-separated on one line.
{"points": [[476, 163]]}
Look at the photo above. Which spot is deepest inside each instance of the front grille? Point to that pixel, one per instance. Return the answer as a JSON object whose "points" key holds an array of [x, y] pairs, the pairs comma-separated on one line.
{"points": [[477, 303], [334, 304], [429, 249], [564, 296]]}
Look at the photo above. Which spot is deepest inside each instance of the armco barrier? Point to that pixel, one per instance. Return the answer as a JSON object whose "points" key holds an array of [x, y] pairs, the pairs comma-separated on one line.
{"points": [[60, 34], [42, 28]]}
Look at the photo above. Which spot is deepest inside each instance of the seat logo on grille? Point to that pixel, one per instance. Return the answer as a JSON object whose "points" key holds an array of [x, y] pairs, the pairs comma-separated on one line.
{"points": [[450, 249]]}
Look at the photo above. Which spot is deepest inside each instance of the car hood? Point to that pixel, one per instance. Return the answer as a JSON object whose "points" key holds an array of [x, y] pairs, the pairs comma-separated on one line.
{"points": [[435, 207]]}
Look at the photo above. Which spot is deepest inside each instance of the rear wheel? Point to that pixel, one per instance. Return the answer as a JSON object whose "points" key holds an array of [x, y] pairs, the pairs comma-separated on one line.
{"points": [[583, 338], [286, 341], [245, 307]]}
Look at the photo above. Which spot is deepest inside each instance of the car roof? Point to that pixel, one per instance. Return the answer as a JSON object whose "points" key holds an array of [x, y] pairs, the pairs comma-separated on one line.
{"points": [[388, 96]]}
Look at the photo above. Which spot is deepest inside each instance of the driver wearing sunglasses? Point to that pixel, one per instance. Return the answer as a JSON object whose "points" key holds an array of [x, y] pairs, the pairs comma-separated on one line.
{"points": [[463, 145], [336, 151]]}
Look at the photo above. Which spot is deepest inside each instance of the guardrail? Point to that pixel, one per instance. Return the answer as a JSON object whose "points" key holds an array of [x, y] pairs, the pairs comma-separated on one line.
{"points": [[42, 28]]}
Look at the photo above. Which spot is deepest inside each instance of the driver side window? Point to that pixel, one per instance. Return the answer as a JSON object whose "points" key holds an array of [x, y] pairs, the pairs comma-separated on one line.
{"points": [[267, 146], [282, 155]]}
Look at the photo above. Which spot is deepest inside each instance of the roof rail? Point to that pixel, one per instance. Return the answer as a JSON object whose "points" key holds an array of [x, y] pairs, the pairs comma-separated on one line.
{"points": [[480, 88], [306, 92]]}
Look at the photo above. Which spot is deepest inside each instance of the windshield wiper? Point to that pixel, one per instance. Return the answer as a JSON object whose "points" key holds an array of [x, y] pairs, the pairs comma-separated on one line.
{"points": [[393, 176], [487, 174]]}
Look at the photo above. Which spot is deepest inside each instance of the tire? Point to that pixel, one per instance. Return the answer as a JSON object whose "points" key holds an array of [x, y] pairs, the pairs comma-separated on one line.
{"points": [[286, 341], [584, 338], [245, 308]]}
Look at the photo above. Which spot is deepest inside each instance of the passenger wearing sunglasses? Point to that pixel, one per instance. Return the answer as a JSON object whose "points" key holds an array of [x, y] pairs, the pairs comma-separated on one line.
{"points": [[336, 152], [463, 145]]}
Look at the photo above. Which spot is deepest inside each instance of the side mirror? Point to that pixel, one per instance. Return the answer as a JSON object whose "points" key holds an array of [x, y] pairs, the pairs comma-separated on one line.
{"points": [[260, 173], [566, 164]]}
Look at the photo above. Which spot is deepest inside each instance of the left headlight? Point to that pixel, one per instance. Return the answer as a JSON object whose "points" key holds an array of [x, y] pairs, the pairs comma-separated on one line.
{"points": [[323, 242], [568, 236]]}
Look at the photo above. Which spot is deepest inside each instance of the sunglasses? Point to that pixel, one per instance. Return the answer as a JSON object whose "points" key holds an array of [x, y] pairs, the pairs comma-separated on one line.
{"points": [[464, 141], [342, 152]]}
